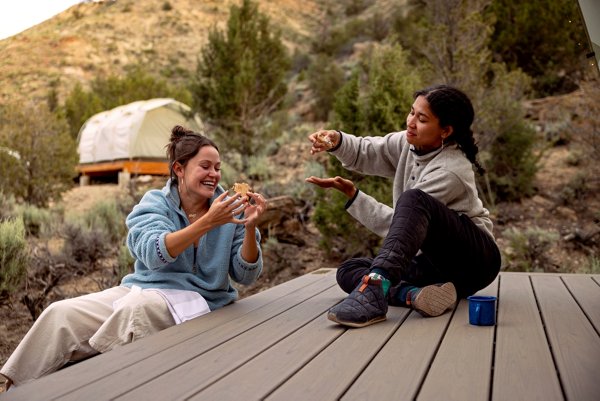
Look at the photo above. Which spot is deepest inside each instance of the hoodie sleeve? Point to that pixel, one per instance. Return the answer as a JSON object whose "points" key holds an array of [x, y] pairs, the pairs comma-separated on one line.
{"points": [[149, 223], [369, 212], [377, 155], [241, 271]]}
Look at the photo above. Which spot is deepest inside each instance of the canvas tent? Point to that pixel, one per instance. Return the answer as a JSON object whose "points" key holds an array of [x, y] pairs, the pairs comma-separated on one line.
{"points": [[132, 138]]}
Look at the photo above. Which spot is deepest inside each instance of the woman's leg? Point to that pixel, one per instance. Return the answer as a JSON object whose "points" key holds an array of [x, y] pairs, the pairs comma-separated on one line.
{"points": [[59, 335], [452, 247], [138, 314], [456, 258], [351, 272]]}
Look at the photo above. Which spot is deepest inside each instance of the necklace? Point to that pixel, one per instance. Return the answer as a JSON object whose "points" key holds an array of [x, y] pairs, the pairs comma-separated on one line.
{"points": [[197, 213]]}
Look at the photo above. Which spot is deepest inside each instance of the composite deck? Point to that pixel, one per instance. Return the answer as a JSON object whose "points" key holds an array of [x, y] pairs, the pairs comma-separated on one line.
{"points": [[278, 345]]}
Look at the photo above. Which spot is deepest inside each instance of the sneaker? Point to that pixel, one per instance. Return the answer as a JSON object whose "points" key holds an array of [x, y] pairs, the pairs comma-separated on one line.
{"points": [[432, 300], [364, 306]]}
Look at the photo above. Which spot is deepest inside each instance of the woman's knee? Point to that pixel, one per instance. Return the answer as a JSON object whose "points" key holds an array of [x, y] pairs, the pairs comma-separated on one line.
{"points": [[413, 197], [59, 310]]}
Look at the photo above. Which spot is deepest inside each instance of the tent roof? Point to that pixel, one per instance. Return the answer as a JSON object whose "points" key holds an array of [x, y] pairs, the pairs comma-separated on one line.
{"points": [[139, 130]]}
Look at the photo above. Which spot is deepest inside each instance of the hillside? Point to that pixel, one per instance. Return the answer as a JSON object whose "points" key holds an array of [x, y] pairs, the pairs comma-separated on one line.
{"points": [[92, 39]]}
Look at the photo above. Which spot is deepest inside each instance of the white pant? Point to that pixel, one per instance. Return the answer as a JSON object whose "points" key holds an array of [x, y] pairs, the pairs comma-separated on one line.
{"points": [[74, 329]]}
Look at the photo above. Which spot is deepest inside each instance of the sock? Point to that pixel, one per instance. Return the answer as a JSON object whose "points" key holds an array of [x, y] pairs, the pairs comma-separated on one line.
{"points": [[385, 283], [403, 295]]}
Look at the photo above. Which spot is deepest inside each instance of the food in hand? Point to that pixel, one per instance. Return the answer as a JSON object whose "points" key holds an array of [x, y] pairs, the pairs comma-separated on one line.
{"points": [[241, 188], [323, 139]]}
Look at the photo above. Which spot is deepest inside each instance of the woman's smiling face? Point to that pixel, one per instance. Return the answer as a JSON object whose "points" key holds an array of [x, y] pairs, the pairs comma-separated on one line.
{"points": [[423, 129], [201, 173]]}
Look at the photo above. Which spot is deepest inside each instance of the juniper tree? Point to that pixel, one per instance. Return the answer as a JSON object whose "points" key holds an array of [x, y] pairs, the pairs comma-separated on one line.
{"points": [[373, 102], [239, 79]]}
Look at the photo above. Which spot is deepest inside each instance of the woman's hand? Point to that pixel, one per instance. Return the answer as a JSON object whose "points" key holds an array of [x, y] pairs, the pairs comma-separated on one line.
{"points": [[323, 140], [223, 210], [254, 211], [343, 185]]}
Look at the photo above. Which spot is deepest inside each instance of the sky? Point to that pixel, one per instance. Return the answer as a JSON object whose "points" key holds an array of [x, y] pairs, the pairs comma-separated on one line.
{"points": [[19, 15]]}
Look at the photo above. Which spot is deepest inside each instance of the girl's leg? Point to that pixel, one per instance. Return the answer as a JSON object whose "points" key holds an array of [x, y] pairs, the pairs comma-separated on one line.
{"points": [[138, 314], [59, 335], [452, 247], [351, 272]]}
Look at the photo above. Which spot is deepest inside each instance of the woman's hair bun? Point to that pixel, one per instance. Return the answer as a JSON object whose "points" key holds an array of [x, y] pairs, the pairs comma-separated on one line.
{"points": [[179, 132]]}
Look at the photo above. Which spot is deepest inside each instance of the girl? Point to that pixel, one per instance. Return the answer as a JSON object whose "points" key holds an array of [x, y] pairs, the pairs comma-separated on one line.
{"points": [[188, 240], [438, 242]]}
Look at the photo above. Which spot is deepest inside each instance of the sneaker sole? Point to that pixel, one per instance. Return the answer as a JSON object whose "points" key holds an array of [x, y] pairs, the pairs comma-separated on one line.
{"points": [[333, 318], [434, 300]]}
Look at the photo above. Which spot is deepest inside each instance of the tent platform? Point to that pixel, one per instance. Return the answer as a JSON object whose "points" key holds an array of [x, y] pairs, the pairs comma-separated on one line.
{"points": [[278, 345], [139, 167]]}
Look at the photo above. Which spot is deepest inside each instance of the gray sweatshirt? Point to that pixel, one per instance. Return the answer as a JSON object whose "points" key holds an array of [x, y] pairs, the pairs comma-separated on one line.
{"points": [[446, 174]]}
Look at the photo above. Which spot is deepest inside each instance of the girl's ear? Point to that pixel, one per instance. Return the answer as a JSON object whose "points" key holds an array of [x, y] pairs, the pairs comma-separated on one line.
{"points": [[178, 169], [447, 131]]}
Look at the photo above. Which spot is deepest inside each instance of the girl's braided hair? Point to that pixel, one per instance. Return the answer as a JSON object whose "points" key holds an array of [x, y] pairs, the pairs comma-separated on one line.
{"points": [[453, 108], [184, 144]]}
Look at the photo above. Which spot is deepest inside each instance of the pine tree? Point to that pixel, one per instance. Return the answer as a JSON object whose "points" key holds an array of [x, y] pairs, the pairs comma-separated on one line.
{"points": [[374, 102], [239, 79]]}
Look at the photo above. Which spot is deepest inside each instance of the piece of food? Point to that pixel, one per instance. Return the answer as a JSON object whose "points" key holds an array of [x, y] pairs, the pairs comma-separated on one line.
{"points": [[241, 188], [323, 139]]}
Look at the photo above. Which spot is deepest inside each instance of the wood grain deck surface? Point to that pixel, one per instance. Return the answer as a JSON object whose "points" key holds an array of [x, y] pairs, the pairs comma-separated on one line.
{"points": [[278, 345]]}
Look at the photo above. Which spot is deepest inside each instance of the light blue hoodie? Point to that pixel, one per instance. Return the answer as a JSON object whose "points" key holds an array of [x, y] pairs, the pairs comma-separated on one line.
{"points": [[216, 259]]}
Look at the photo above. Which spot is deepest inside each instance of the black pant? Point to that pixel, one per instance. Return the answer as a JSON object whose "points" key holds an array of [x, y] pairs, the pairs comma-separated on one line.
{"points": [[452, 248]]}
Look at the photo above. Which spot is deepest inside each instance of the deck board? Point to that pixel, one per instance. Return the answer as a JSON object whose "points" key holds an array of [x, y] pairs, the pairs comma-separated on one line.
{"points": [[523, 361], [398, 369], [327, 376], [464, 352], [278, 345], [144, 375], [574, 341]]}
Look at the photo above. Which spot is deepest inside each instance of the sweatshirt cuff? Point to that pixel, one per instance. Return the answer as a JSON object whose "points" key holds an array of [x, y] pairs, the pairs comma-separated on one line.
{"points": [[336, 147], [351, 201]]}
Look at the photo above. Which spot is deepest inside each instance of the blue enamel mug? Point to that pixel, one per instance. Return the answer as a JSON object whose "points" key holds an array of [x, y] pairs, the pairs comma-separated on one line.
{"points": [[482, 310]]}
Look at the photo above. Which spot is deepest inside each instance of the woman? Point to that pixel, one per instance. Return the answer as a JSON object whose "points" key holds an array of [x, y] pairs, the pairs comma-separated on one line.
{"points": [[188, 239], [438, 241]]}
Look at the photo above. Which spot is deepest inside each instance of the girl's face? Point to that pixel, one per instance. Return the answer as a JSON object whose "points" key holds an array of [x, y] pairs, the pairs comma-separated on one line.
{"points": [[423, 129], [200, 176]]}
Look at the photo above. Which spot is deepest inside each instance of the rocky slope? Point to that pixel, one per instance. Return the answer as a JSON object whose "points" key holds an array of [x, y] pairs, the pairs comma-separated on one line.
{"points": [[98, 38]]}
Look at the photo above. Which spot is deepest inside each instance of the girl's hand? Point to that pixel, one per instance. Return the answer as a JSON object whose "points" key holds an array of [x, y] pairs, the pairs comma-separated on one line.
{"points": [[343, 185], [324, 140], [254, 211], [223, 210]]}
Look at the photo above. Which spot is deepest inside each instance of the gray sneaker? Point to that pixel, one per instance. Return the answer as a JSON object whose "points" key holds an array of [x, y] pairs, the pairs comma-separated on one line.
{"points": [[432, 300], [364, 306]]}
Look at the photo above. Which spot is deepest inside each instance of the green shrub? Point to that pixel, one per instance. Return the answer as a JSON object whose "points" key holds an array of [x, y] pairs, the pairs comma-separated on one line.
{"points": [[512, 165], [107, 217], [528, 249], [258, 168], [13, 256], [125, 263], [35, 219], [8, 205], [592, 266], [575, 189], [83, 247], [325, 78]]}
